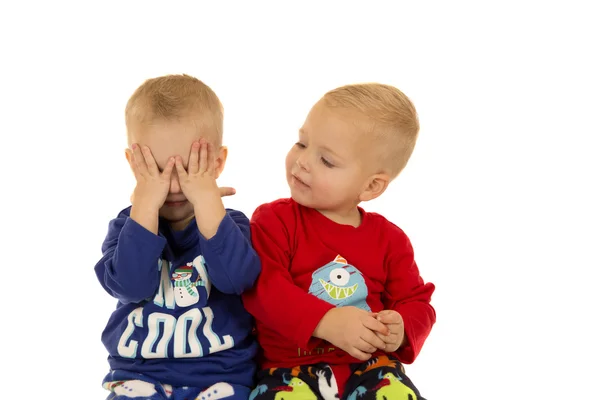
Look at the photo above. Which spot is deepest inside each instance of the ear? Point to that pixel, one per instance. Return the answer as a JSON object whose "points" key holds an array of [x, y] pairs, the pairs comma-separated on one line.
{"points": [[375, 186], [129, 157], [221, 158]]}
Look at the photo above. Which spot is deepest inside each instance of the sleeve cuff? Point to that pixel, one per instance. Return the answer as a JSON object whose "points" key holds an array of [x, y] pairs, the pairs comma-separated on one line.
{"points": [[310, 321], [416, 332], [146, 241], [225, 227]]}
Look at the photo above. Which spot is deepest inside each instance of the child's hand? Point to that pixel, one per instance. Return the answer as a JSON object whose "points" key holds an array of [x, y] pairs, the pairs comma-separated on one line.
{"points": [[393, 320], [200, 178], [152, 186], [352, 330]]}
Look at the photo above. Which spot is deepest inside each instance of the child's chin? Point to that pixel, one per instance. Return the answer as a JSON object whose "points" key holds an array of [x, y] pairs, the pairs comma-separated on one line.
{"points": [[302, 201], [177, 214]]}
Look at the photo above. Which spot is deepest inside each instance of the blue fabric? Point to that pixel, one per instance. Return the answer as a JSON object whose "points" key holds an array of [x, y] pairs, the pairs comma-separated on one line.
{"points": [[194, 333]]}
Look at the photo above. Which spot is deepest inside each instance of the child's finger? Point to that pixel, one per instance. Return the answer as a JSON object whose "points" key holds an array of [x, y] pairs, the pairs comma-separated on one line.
{"points": [[226, 191], [366, 347], [391, 338], [203, 157], [193, 163], [374, 339], [210, 167], [138, 159], [169, 168], [179, 167], [375, 325], [395, 328], [361, 355], [389, 317], [150, 162]]}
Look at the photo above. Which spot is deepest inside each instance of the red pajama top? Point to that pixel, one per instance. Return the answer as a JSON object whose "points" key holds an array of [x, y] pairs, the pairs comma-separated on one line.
{"points": [[311, 264]]}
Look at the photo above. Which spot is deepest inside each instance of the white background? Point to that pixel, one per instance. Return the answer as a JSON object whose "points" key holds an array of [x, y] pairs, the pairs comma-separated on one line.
{"points": [[500, 198]]}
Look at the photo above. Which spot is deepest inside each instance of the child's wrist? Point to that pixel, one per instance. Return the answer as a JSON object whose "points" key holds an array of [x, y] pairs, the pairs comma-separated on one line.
{"points": [[320, 331], [209, 213], [208, 204], [146, 216]]}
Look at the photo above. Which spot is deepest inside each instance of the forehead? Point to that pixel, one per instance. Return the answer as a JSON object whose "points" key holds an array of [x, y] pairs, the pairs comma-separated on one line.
{"points": [[166, 138], [340, 130]]}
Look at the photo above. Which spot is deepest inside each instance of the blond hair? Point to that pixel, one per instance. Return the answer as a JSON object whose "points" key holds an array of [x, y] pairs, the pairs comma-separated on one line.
{"points": [[175, 97], [391, 120]]}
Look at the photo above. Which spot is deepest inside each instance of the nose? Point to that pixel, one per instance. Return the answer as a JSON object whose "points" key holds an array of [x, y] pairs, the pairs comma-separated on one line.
{"points": [[175, 187], [302, 161]]}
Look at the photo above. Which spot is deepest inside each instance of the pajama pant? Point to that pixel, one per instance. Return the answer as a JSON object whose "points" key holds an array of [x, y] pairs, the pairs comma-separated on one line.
{"points": [[381, 378], [128, 385]]}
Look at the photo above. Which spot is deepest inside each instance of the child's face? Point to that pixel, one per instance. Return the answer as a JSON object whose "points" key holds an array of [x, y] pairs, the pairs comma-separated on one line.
{"points": [[329, 167], [166, 139]]}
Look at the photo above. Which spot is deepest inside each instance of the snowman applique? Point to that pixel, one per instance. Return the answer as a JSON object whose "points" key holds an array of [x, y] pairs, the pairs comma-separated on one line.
{"points": [[185, 290]]}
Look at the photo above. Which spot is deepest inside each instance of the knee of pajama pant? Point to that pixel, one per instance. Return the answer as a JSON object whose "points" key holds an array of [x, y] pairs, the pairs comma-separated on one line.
{"points": [[135, 388], [275, 389], [382, 377], [223, 390]]}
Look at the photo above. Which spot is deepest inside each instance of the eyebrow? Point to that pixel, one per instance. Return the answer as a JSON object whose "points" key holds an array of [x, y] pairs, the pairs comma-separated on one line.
{"points": [[327, 149], [333, 153]]}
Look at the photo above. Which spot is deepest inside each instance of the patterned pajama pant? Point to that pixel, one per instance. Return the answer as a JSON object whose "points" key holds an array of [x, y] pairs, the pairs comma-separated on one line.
{"points": [[381, 378], [128, 386]]}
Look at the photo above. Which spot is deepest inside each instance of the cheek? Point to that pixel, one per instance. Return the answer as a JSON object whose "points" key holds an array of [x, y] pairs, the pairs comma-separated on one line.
{"points": [[334, 182], [289, 160]]}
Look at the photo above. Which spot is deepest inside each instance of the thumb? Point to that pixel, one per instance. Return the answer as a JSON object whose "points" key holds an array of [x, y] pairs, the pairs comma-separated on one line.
{"points": [[226, 191]]}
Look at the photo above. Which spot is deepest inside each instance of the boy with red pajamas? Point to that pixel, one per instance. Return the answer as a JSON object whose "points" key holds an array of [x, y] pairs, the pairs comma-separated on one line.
{"points": [[340, 304]]}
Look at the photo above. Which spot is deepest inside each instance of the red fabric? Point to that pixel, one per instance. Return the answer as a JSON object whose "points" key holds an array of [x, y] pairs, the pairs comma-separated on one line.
{"points": [[293, 242]]}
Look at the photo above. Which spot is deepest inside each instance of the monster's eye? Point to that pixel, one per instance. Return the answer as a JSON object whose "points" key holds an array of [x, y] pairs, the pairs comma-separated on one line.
{"points": [[339, 277]]}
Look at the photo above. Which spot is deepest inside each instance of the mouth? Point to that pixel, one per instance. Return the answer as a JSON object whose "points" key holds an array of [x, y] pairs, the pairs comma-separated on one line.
{"points": [[299, 181], [336, 292], [178, 203]]}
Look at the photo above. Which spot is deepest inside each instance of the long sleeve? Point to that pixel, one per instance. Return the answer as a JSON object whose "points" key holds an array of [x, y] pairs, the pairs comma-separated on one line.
{"points": [[232, 263], [275, 300], [128, 269], [406, 293]]}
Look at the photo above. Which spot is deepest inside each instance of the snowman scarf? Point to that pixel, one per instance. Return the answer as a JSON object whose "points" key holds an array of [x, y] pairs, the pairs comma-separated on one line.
{"points": [[188, 285]]}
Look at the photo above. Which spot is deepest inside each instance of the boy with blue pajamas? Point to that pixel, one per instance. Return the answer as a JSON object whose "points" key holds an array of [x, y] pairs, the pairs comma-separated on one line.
{"points": [[176, 260]]}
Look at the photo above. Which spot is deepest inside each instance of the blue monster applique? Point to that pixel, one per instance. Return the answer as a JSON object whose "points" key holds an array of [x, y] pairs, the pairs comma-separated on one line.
{"points": [[340, 284]]}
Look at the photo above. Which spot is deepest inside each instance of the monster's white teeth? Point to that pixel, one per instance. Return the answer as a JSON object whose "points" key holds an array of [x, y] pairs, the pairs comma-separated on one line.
{"points": [[336, 292]]}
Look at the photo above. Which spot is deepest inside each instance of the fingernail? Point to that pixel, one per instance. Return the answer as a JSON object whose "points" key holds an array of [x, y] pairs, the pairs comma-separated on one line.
{"points": [[134, 146]]}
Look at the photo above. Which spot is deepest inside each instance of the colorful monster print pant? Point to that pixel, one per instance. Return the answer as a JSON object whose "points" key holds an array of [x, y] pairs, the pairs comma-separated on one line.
{"points": [[381, 378], [128, 386]]}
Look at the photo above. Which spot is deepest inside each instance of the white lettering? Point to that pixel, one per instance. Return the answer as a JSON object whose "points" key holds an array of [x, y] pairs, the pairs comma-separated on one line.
{"points": [[215, 343], [129, 350], [168, 324], [184, 329], [165, 288], [182, 338]]}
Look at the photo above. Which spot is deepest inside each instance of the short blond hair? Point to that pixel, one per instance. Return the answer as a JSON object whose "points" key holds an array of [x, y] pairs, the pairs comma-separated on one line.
{"points": [[175, 97], [391, 120]]}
